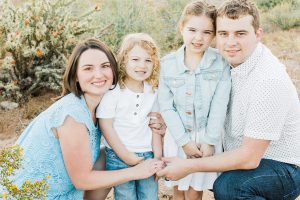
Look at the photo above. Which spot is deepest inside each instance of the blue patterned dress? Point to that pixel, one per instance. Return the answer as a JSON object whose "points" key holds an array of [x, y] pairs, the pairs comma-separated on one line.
{"points": [[42, 151]]}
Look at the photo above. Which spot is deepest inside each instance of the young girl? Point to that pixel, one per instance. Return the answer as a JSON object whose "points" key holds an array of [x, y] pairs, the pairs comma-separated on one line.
{"points": [[123, 115], [193, 96]]}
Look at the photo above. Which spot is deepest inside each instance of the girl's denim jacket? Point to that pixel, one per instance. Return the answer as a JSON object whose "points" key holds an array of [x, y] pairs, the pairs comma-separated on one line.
{"points": [[203, 95]]}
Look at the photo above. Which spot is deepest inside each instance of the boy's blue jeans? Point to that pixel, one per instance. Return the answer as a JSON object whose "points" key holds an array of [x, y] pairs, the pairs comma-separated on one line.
{"points": [[146, 189], [271, 180]]}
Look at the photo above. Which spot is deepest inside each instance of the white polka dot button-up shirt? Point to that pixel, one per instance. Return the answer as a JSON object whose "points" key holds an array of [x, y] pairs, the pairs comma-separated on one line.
{"points": [[264, 105]]}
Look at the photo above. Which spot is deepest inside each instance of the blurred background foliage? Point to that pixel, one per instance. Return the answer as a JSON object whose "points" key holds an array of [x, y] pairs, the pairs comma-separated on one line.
{"points": [[113, 20]]}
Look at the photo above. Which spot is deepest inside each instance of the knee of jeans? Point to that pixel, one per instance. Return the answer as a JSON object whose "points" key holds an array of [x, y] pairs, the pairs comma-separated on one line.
{"points": [[219, 188], [224, 187]]}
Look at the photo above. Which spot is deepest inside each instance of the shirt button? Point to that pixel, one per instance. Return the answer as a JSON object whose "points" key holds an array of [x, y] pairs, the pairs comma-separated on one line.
{"points": [[174, 83], [137, 96], [188, 93], [189, 113], [135, 113], [137, 105]]}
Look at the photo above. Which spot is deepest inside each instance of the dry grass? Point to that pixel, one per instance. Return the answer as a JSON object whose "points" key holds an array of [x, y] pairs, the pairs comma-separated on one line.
{"points": [[12, 122], [286, 46]]}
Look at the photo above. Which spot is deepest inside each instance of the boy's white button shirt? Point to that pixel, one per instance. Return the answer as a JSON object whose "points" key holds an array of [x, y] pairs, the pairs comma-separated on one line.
{"points": [[130, 113]]}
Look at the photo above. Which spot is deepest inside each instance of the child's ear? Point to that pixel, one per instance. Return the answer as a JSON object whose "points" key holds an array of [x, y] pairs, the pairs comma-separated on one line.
{"points": [[180, 29]]}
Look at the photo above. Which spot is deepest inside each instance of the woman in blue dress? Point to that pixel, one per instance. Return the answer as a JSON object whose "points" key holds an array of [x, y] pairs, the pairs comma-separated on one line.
{"points": [[63, 142]]}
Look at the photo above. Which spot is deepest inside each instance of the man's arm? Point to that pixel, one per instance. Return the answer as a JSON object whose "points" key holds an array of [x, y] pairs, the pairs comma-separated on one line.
{"points": [[248, 156]]}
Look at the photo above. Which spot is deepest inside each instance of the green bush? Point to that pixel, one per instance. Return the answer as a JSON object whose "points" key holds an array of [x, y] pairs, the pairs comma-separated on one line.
{"points": [[268, 4], [10, 160], [38, 36], [285, 15], [157, 18]]}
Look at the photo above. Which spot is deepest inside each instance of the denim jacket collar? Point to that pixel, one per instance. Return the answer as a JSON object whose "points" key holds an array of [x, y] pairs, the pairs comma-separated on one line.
{"points": [[206, 61], [245, 68]]}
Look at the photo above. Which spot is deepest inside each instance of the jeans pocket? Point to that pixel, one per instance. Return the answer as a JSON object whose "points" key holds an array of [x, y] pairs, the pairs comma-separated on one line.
{"points": [[146, 155], [113, 162]]}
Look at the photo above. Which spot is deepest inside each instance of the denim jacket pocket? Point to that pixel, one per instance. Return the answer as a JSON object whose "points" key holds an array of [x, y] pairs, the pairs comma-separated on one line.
{"points": [[174, 82], [176, 85]]}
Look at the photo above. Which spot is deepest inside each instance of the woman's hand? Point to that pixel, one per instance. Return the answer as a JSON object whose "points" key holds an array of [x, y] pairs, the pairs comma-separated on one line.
{"points": [[157, 124], [147, 168], [207, 150], [191, 150]]}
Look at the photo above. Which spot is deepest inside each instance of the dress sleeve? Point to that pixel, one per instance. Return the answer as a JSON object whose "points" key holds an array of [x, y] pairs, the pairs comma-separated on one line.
{"points": [[77, 112]]}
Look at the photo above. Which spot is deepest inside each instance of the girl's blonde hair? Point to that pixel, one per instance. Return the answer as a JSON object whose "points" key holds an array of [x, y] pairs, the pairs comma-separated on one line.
{"points": [[146, 42], [197, 8]]}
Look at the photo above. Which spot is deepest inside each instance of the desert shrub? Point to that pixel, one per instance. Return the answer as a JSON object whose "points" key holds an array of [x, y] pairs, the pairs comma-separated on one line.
{"points": [[268, 4], [38, 36], [10, 160], [158, 18], [285, 15]]}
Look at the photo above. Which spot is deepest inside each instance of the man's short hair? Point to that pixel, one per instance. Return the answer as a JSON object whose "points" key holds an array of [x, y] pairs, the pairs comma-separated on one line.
{"points": [[234, 9]]}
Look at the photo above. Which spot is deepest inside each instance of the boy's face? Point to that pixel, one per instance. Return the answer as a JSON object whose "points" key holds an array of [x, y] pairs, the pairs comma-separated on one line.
{"points": [[236, 38]]}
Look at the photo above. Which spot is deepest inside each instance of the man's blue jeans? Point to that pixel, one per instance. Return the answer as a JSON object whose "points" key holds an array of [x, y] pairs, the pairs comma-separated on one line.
{"points": [[271, 180], [146, 189]]}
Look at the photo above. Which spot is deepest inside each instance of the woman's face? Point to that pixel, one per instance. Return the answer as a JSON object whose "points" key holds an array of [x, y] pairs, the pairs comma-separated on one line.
{"points": [[94, 72]]}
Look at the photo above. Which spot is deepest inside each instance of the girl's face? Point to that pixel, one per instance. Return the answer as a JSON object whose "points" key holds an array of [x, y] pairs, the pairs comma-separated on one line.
{"points": [[94, 72], [139, 64], [197, 33]]}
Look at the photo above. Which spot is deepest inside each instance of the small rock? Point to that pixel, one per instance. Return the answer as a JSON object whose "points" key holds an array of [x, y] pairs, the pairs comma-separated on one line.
{"points": [[8, 105]]}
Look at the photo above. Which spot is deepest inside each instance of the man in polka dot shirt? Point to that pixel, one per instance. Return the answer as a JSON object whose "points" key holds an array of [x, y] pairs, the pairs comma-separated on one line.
{"points": [[262, 130]]}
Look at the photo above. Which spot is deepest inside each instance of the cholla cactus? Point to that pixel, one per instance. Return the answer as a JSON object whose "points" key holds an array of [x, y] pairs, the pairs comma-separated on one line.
{"points": [[10, 160], [37, 38]]}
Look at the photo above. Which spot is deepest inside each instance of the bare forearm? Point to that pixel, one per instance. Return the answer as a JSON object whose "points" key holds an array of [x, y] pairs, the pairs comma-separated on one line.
{"points": [[116, 144], [104, 179], [231, 160], [157, 145]]}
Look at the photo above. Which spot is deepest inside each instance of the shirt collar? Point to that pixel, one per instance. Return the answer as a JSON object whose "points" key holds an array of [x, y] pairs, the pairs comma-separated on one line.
{"points": [[206, 61], [245, 68]]}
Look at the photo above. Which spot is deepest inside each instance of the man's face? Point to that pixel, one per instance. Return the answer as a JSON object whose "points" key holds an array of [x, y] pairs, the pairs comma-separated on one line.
{"points": [[236, 38]]}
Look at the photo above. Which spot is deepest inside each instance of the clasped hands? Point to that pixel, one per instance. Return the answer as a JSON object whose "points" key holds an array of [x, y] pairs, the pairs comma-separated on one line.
{"points": [[174, 168]]}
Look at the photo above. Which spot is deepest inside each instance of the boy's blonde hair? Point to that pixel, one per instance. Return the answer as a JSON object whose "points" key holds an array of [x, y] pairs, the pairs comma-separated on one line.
{"points": [[146, 42], [234, 9], [197, 8]]}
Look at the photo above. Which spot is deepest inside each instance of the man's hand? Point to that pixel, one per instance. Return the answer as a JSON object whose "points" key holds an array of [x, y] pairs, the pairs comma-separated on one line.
{"points": [[176, 168]]}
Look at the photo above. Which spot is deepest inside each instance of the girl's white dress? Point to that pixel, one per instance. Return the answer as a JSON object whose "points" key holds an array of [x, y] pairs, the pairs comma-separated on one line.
{"points": [[198, 181]]}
